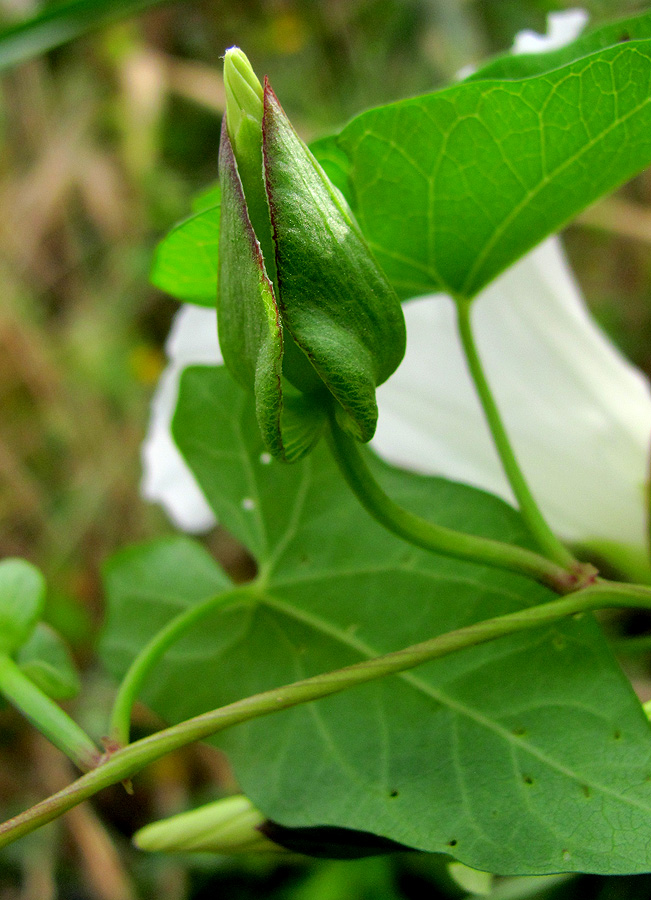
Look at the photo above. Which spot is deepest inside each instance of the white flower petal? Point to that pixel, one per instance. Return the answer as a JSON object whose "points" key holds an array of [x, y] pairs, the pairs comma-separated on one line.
{"points": [[562, 28], [578, 414], [166, 477]]}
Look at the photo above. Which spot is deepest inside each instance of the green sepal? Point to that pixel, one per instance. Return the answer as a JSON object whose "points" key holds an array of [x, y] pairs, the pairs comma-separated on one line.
{"points": [[22, 599], [250, 332], [332, 295], [303, 420], [45, 659], [250, 329]]}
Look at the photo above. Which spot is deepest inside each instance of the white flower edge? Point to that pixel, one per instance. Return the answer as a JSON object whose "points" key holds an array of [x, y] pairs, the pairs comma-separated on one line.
{"points": [[578, 413], [562, 28], [167, 479]]}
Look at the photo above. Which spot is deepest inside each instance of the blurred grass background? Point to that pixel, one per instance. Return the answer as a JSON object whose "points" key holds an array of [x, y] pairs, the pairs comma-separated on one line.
{"points": [[103, 140]]}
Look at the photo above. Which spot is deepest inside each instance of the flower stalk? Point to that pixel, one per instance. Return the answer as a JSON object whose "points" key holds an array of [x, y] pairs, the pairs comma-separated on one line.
{"points": [[545, 537], [439, 539]]}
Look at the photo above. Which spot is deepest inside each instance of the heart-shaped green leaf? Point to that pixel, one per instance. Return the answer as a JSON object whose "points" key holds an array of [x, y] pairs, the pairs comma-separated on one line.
{"points": [[451, 188], [530, 754]]}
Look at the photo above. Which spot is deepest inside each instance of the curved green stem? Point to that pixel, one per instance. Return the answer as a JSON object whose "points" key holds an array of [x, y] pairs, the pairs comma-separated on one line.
{"points": [[547, 540], [423, 533], [46, 715], [152, 652], [131, 759]]}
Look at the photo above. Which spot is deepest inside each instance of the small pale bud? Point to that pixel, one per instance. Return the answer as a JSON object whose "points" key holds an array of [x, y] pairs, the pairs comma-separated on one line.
{"points": [[225, 826], [243, 93]]}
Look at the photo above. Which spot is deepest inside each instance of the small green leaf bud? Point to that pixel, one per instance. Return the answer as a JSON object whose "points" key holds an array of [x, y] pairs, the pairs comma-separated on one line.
{"points": [[226, 826], [307, 319], [244, 94]]}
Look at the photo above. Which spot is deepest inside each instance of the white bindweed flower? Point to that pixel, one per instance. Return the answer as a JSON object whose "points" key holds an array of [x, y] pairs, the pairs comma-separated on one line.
{"points": [[166, 477], [578, 414], [562, 28]]}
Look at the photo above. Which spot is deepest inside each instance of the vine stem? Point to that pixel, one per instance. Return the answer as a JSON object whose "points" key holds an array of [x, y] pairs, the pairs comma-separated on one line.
{"points": [[152, 652], [124, 763], [46, 715], [348, 455], [547, 540]]}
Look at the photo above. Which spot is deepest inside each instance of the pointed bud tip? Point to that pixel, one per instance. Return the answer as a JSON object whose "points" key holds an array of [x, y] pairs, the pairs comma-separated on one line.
{"points": [[244, 93]]}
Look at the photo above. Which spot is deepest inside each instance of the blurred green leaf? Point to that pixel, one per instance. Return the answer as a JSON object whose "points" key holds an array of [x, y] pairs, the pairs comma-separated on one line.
{"points": [[59, 23], [524, 65], [374, 879], [185, 262], [45, 659], [207, 198], [22, 599], [527, 754]]}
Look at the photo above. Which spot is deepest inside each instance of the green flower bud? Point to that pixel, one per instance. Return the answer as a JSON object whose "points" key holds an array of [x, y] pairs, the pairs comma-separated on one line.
{"points": [[306, 316], [225, 826]]}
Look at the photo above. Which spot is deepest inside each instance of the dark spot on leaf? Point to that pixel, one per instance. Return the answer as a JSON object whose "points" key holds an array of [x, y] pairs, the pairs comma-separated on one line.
{"points": [[587, 792], [559, 642], [617, 734], [625, 36], [393, 793], [452, 843], [519, 732], [527, 779]]}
